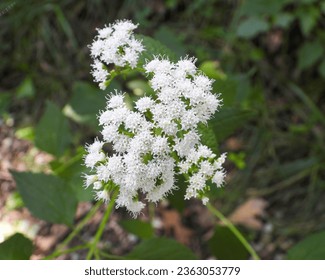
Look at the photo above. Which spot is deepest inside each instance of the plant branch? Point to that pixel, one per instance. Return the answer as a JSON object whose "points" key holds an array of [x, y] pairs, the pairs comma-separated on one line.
{"points": [[68, 251], [234, 230], [59, 251], [93, 244]]}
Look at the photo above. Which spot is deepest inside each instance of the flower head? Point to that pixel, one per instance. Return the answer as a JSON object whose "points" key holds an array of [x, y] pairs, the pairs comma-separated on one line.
{"points": [[114, 44], [160, 138]]}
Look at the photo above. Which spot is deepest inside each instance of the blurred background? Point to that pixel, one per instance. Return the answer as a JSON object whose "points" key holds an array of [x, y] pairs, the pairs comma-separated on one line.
{"points": [[268, 61]]}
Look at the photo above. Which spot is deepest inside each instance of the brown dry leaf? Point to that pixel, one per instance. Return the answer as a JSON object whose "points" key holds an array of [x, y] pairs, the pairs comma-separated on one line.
{"points": [[172, 223], [247, 213], [234, 144]]}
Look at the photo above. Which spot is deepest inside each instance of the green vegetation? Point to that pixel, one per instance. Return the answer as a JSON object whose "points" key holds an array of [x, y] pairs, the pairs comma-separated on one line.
{"points": [[268, 62]]}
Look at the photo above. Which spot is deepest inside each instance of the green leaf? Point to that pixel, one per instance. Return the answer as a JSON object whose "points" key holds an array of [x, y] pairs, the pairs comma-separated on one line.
{"points": [[260, 7], [294, 167], [309, 54], [308, 18], [307, 1], [14, 201], [212, 70], [47, 196], [140, 87], [154, 48], [172, 40], [228, 89], [52, 133], [311, 248], [227, 120], [86, 102], [251, 27], [322, 5], [5, 99], [208, 137], [176, 198], [161, 249], [139, 228], [26, 133], [26, 89], [87, 99], [226, 246], [71, 171], [321, 68], [16, 247], [238, 159], [283, 20], [65, 25]]}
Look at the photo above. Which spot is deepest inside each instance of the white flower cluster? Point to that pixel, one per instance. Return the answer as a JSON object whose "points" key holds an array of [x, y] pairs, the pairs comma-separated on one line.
{"points": [[114, 44], [158, 140]]}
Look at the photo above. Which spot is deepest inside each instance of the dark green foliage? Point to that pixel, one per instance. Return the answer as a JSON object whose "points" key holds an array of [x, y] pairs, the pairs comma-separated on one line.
{"points": [[228, 120], [310, 248], [52, 133], [252, 27], [172, 40], [86, 102], [71, 172], [47, 197], [268, 62], [154, 48], [16, 247], [224, 245], [208, 137], [161, 249], [143, 230]]}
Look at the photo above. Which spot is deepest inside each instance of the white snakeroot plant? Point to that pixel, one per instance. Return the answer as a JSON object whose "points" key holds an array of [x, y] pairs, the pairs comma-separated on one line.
{"points": [[156, 142], [159, 139]]}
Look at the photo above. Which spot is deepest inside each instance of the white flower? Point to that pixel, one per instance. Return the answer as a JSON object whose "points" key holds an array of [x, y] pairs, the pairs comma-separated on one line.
{"points": [[134, 121], [103, 173], [114, 44], [205, 200], [116, 116], [98, 185], [92, 159], [185, 67], [158, 65], [116, 101], [95, 154], [185, 145], [90, 179], [95, 147], [144, 103], [158, 140], [219, 178], [102, 195], [206, 168], [98, 71], [160, 146]]}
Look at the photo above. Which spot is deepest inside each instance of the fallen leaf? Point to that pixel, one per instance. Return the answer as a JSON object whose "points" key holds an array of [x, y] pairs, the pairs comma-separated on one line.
{"points": [[248, 213], [173, 224]]}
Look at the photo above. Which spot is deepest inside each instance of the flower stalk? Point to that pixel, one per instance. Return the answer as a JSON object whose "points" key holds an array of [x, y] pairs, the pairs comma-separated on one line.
{"points": [[234, 230], [93, 245]]}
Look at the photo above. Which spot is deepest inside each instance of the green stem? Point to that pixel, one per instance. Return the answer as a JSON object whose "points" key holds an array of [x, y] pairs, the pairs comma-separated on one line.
{"points": [[76, 230], [93, 244], [82, 223], [68, 251], [234, 230], [111, 257]]}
